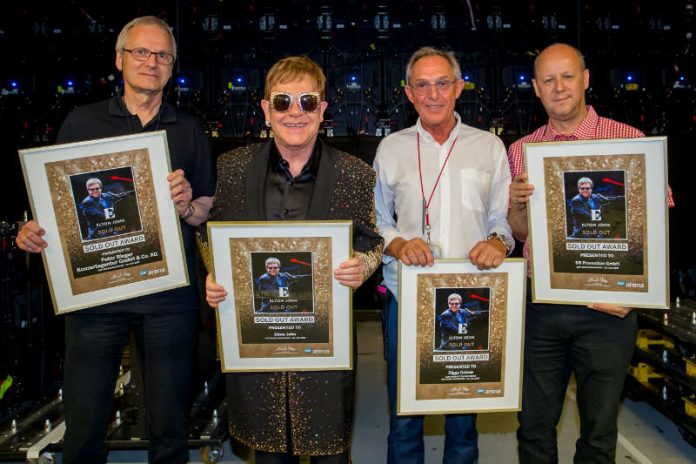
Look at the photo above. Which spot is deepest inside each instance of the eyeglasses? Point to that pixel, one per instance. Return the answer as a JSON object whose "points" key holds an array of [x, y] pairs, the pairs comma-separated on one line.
{"points": [[143, 54], [282, 101], [455, 303], [421, 88], [272, 267], [585, 188], [94, 189]]}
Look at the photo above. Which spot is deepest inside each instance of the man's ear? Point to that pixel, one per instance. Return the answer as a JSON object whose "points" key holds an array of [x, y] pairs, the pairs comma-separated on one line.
{"points": [[119, 60]]}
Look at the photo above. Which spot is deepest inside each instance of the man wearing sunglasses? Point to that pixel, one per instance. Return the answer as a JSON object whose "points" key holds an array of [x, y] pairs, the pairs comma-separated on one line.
{"points": [[165, 323], [98, 208], [441, 193], [274, 285], [586, 210], [296, 176]]}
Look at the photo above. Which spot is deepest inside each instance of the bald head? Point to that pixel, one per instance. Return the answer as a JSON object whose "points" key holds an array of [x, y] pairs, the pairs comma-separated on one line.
{"points": [[556, 51], [560, 81]]}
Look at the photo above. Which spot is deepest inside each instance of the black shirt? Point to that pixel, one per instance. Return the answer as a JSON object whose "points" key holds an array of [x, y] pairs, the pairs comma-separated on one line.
{"points": [[287, 197], [189, 150]]}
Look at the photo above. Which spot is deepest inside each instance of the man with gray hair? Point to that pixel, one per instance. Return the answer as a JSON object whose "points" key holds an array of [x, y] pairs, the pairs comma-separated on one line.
{"points": [[586, 209], [274, 284], [441, 193], [454, 323], [98, 207], [164, 323]]}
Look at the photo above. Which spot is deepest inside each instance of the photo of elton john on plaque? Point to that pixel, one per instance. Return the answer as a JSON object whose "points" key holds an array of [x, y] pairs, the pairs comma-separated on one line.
{"points": [[282, 289], [107, 211], [588, 222], [287, 310], [467, 326]]}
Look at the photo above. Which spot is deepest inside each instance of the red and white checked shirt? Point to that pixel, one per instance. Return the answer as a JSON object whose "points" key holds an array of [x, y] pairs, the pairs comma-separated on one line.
{"points": [[592, 127]]}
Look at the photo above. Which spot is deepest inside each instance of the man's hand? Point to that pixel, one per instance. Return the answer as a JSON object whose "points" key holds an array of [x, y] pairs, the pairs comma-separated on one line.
{"points": [[214, 293], [414, 252], [520, 192], [180, 190], [611, 309], [30, 237], [487, 254], [350, 273]]}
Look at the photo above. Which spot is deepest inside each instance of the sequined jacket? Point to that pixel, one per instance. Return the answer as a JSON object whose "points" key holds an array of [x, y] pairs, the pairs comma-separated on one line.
{"points": [[315, 408]]}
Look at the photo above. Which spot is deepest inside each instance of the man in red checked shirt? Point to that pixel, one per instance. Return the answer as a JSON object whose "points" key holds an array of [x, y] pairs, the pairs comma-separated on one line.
{"points": [[594, 342]]}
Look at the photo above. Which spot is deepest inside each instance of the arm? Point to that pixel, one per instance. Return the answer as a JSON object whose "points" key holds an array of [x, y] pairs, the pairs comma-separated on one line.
{"points": [[448, 322], [192, 190], [201, 207], [367, 243], [520, 192], [89, 208], [266, 287], [410, 252], [193, 211], [577, 208]]}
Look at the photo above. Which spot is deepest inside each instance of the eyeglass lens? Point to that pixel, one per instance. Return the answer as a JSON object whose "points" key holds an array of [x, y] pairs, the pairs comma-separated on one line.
{"points": [[283, 101], [423, 87]]}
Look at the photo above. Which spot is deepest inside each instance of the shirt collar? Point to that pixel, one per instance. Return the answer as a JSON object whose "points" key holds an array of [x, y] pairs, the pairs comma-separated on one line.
{"points": [[425, 135], [311, 167], [586, 128], [117, 107]]}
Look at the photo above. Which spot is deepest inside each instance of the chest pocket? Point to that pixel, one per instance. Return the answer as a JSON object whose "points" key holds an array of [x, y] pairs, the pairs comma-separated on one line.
{"points": [[474, 186]]}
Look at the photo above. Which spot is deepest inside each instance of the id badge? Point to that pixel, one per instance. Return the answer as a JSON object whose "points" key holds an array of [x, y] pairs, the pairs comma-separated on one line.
{"points": [[435, 249]]}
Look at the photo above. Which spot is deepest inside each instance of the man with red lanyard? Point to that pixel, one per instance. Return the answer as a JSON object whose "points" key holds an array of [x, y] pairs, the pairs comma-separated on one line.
{"points": [[594, 342], [442, 192]]}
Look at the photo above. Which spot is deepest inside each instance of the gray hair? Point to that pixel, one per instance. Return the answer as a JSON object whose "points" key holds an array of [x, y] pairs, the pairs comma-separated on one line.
{"points": [[454, 296], [147, 21], [585, 180], [432, 51], [272, 260], [93, 181]]}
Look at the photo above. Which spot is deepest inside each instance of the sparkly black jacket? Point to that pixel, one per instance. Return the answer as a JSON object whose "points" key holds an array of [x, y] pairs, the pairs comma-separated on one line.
{"points": [[316, 408]]}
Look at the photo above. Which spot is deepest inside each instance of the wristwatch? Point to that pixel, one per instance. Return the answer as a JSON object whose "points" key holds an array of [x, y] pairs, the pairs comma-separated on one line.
{"points": [[188, 212], [503, 240]]}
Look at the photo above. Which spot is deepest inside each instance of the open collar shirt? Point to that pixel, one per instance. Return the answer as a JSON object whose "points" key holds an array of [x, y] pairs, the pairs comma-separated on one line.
{"points": [[469, 203]]}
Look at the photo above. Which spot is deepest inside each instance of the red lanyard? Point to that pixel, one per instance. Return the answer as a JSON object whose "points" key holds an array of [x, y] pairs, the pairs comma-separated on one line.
{"points": [[426, 204]]}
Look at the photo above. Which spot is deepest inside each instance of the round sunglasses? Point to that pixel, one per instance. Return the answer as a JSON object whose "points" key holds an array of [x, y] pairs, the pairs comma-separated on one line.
{"points": [[282, 101]]}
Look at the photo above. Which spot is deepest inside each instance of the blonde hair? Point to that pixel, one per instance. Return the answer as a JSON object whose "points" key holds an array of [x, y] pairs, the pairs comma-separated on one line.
{"points": [[294, 68]]}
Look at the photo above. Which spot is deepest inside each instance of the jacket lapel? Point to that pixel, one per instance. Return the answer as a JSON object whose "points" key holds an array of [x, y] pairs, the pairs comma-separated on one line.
{"points": [[327, 177], [255, 183]]}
